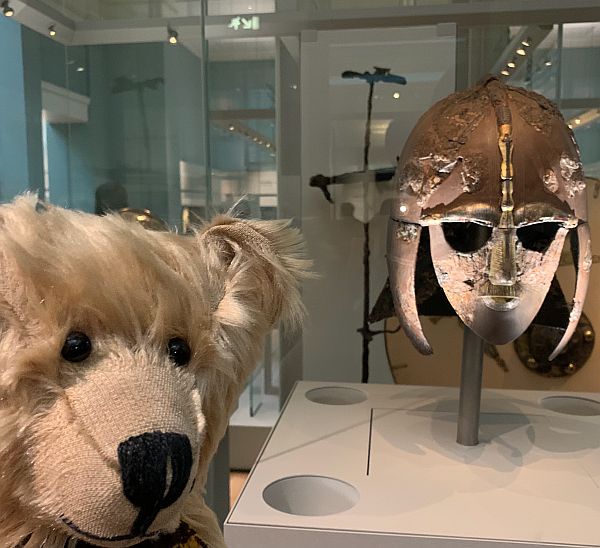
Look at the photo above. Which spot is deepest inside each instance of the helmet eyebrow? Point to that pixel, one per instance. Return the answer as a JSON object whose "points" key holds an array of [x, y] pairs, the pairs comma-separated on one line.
{"points": [[540, 212]]}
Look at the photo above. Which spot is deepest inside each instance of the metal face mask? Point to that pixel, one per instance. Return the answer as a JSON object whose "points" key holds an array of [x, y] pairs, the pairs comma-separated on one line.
{"points": [[494, 174]]}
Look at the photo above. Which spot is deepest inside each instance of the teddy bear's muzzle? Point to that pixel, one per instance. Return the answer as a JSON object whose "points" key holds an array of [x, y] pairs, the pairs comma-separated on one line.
{"points": [[117, 455], [155, 469]]}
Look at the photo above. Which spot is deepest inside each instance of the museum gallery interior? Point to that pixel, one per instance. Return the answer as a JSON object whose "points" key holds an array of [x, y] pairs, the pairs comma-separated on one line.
{"points": [[289, 273]]}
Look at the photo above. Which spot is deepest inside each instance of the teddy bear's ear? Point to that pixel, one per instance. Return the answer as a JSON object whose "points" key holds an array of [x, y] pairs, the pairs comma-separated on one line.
{"points": [[262, 264]]}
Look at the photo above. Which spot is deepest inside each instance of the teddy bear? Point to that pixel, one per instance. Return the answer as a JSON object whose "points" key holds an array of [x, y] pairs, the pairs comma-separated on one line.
{"points": [[122, 355]]}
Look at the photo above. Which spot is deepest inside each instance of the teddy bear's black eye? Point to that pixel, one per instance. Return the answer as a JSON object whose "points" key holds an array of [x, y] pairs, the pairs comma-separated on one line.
{"points": [[77, 347], [179, 351]]}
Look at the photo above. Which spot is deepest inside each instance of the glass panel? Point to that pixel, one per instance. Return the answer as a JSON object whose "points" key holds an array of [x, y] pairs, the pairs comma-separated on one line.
{"points": [[242, 130], [107, 126], [336, 142], [244, 7], [127, 119], [125, 9], [561, 63]]}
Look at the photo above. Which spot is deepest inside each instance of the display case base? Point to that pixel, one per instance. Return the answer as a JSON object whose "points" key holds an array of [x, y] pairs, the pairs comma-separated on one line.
{"points": [[350, 466]]}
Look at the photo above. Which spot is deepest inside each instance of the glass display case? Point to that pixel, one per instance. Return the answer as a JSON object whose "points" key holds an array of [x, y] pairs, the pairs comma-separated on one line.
{"points": [[189, 108]]}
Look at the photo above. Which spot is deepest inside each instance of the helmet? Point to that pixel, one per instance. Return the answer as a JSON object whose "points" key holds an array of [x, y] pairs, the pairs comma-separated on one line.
{"points": [[493, 174]]}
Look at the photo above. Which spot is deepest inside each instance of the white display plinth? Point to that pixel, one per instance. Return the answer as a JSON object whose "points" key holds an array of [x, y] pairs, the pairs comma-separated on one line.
{"points": [[534, 480]]}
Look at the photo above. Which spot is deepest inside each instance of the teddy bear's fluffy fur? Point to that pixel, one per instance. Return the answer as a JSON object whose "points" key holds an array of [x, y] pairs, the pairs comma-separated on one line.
{"points": [[130, 290]]}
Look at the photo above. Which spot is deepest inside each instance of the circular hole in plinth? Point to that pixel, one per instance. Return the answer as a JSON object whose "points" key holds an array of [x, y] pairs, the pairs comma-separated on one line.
{"points": [[572, 405], [310, 495], [336, 395]]}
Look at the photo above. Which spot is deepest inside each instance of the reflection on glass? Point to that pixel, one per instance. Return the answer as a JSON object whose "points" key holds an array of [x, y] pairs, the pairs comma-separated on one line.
{"points": [[130, 9], [560, 63], [120, 125], [242, 129]]}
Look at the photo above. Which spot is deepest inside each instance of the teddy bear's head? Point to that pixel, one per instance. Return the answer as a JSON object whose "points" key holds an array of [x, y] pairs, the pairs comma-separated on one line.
{"points": [[122, 354]]}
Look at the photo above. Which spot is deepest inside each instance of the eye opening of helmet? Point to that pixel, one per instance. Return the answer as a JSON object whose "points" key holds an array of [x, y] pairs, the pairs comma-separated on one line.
{"points": [[538, 236], [466, 237]]}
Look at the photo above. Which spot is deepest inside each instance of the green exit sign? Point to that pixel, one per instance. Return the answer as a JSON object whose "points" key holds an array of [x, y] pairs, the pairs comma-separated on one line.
{"points": [[244, 23]]}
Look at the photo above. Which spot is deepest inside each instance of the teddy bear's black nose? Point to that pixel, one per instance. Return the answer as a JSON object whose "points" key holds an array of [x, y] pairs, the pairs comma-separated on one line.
{"points": [[155, 469]]}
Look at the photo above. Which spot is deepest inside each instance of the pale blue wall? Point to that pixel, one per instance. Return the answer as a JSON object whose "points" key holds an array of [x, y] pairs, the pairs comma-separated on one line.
{"points": [[14, 167], [112, 146], [85, 145], [133, 137], [136, 122], [32, 64], [57, 138]]}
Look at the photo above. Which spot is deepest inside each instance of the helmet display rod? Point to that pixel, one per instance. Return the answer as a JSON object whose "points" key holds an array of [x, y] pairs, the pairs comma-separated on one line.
{"points": [[470, 389]]}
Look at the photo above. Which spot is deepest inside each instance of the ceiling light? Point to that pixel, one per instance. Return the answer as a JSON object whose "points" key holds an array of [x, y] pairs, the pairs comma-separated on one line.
{"points": [[7, 10], [526, 42], [396, 95], [521, 51], [80, 69], [505, 72], [511, 64], [52, 30], [570, 126], [231, 127], [548, 63], [173, 36], [577, 121]]}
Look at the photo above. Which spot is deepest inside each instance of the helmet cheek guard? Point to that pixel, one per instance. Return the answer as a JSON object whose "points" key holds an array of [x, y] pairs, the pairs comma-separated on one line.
{"points": [[403, 245], [494, 175]]}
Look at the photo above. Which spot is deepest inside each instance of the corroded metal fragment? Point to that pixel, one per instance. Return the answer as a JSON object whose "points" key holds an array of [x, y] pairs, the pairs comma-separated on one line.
{"points": [[407, 232], [550, 181], [572, 174]]}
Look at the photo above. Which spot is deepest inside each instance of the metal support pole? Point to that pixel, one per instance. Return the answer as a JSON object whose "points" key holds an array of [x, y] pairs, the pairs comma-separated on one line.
{"points": [[470, 389]]}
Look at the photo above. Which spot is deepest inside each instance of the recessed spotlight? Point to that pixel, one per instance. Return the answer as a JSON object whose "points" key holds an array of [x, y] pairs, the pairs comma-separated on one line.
{"points": [[231, 127], [577, 121], [505, 72], [6, 9], [526, 42], [570, 126], [80, 69], [396, 95], [52, 30], [173, 36], [521, 51], [268, 145], [511, 64], [548, 63]]}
